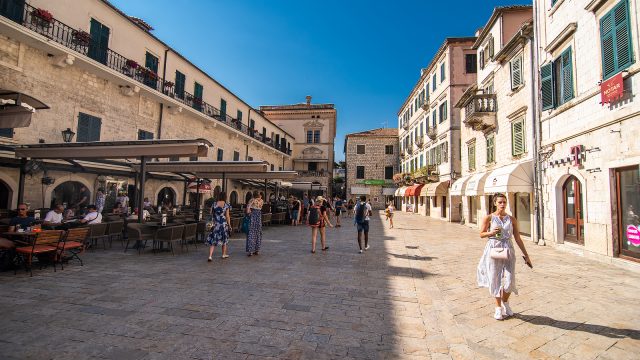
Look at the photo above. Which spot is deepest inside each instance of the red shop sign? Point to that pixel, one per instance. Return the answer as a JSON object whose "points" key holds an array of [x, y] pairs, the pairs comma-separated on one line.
{"points": [[612, 89]]}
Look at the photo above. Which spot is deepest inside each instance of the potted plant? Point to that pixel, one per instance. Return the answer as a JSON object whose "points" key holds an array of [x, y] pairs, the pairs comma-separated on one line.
{"points": [[81, 37], [41, 17], [131, 64]]}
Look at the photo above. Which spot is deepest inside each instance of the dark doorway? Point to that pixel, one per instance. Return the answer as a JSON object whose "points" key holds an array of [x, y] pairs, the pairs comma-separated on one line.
{"points": [[166, 196], [248, 197], [67, 193], [233, 198], [5, 195]]}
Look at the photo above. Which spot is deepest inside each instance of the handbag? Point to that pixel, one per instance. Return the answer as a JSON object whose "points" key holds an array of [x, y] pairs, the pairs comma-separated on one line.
{"points": [[245, 224], [499, 253]]}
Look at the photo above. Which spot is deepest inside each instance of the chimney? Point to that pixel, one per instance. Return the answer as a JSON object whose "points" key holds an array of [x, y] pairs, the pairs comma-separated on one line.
{"points": [[308, 100]]}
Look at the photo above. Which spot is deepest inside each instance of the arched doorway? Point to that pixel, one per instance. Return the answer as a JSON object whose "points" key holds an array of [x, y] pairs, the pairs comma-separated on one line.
{"points": [[166, 196], [248, 197], [216, 191], [5, 195], [233, 198], [68, 193], [573, 211]]}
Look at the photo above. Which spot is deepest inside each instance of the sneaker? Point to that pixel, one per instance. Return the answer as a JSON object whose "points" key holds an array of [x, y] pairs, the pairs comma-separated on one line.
{"points": [[367, 247], [498, 314], [360, 251], [210, 259], [506, 309], [224, 256]]}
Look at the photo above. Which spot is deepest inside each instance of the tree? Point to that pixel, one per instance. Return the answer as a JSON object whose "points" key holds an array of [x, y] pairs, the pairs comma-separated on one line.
{"points": [[340, 164]]}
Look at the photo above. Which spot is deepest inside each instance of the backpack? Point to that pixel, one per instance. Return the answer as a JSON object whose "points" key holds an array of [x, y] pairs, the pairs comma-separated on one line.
{"points": [[314, 215], [361, 208]]}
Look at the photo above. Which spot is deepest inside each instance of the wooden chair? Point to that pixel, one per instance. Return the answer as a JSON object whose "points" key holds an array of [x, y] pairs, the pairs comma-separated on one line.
{"points": [[73, 242], [45, 242]]}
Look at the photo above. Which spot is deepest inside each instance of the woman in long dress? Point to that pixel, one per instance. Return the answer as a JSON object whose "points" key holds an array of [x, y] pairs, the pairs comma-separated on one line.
{"points": [[221, 229], [254, 235], [498, 274]]}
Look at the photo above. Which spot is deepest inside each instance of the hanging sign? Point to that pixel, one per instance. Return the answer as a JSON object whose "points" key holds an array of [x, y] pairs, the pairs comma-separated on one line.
{"points": [[612, 89]]}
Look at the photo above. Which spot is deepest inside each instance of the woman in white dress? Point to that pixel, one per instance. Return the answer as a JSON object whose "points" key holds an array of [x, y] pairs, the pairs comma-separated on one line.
{"points": [[497, 266]]}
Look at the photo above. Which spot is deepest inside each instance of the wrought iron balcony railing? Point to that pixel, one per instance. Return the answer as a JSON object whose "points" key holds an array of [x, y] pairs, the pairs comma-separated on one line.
{"points": [[84, 44]]}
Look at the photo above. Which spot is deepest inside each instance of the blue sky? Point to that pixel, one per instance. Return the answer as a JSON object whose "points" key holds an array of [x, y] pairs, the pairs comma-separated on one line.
{"points": [[362, 56]]}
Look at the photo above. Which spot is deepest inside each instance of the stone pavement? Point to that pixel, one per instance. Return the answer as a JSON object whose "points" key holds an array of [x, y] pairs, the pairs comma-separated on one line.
{"points": [[411, 296]]}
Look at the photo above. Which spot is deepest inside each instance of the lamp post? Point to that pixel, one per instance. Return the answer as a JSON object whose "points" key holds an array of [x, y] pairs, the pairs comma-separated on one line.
{"points": [[67, 135]]}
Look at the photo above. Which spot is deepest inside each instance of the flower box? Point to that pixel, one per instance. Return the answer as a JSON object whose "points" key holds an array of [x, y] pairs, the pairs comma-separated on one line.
{"points": [[81, 37], [168, 84], [132, 64], [42, 15]]}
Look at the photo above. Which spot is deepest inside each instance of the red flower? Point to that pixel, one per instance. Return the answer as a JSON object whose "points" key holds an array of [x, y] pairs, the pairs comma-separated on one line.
{"points": [[43, 15], [132, 64]]}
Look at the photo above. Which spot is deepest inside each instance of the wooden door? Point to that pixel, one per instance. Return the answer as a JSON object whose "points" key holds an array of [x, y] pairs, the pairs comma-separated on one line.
{"points": [[573, 211]]}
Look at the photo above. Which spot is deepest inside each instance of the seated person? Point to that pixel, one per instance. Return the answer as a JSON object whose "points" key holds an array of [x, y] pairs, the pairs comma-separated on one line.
{"points": [[54, 217], [69, 213], [93, 216], [22, 220], [145, 214], [117, 209], [146, 203]]}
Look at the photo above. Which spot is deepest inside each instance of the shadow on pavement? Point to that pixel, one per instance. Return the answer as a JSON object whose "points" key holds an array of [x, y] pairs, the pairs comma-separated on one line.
{"points": [[413, 257], [578, 326]]}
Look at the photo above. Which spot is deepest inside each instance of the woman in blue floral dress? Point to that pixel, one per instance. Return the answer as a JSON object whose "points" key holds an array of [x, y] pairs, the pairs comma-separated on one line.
{"points": [[221, 229], [254, 235]]}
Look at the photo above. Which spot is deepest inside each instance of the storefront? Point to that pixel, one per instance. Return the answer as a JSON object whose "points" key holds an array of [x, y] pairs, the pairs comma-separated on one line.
{"points": [[436, 195], [627, 199], [475, 206], [413, 195]]}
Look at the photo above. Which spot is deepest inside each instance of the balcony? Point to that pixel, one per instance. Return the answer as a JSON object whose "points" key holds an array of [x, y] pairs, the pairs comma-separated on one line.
{"points": [[405, 125], [480, 112], [402, 155], [432, 132], [420, 142], [82, 43], [425, 105], [409, 149]]}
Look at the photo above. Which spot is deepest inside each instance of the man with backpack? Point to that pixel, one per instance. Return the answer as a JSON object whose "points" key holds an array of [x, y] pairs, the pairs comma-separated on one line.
{"points": [[362, 217], [317, 219]]}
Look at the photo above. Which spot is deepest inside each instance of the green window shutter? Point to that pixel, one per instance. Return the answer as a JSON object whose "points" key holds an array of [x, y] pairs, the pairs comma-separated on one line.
{"points": [[517, 138], [223, 109], [471, 152], [566, 71], [491, 149], [608, 46], [516, 72], [624, 51], [179, 86], [547, 88]]}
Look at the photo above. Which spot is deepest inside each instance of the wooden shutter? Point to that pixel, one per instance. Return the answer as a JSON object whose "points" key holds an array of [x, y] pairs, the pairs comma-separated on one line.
{"points": [[445, 151], [608, 46], [180, 80], [94, 133], [516, 72], [566, 75], [471, 152], [615, 35], [547, 88], [517, 138], [438, 155]]}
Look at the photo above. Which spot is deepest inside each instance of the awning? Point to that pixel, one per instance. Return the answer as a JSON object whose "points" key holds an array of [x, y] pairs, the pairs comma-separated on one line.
{"points": [[458, 186], [284, 184], [16, 109], [116, 149], [435, 189], [204, 188], [475, 185], [200, 168], [414, 190], [360, 190], [401, 190], [510, 179], [389, 191], [267, 175]]}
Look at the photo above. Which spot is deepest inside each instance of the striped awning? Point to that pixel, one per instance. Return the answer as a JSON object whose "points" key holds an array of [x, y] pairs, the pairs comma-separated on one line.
{"points": [[401, 190]]}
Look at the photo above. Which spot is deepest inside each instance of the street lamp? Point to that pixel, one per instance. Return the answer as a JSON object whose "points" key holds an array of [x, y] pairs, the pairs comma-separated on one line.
{"points": [[67, 135]]}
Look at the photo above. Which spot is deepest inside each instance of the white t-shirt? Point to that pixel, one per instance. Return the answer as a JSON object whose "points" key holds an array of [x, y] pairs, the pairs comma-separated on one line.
{"points": [[53, 217], [93, 218]]}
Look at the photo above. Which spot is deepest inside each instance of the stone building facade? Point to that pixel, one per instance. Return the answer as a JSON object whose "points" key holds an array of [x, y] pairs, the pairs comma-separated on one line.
{"points": [[498, 118], [372, 159], [314, 128], [123, 84], [429, 128], [590, 123]]}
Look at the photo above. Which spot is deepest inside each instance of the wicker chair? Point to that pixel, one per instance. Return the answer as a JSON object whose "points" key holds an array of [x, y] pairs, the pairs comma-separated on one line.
{"points": [[138, 232], [190, 234]]}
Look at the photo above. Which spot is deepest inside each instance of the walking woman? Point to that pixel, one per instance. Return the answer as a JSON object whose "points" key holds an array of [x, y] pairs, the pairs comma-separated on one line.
{"points": [[389, 213], [350, 206], [318, 219], [497, 266], [221, 230], [254, 235]]}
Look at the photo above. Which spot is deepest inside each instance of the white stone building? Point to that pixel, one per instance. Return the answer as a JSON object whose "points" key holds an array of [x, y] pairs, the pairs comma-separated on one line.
{"points": [[429, 130], [106, 77], [498, 116], [590, 154]]}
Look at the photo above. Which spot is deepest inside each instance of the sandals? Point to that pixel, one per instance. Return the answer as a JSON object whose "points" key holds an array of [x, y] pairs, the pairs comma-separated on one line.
{"points": [[313, 251], [325, 248]]}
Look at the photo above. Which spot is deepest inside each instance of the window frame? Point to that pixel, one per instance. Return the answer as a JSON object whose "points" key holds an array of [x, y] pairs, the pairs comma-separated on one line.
{"points": [[514, 150], [613, 35], [361, 146], [220, 154], [389, 175], [386, 149], [360, 172], [491, 149], [471, 156], [520, 60]]}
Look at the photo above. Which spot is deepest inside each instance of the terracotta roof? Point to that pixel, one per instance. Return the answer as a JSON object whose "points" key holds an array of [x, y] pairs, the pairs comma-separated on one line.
{"points": [[377, 132]]}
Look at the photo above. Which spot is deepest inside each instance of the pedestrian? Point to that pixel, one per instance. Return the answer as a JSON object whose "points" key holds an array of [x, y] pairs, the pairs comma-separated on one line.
{"points": [[100, 200], [389, 212], [318, 220], [361, 220], [254, 235], [350, 208], [295, 211], [221, 230], [497, 266], [305, 205], [339, 206]]}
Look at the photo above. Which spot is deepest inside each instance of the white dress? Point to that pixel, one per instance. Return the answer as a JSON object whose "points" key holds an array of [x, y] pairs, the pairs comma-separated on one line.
{"points": [[498, 274]]}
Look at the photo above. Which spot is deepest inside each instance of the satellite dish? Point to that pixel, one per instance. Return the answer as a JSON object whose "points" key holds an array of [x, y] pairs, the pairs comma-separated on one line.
{"points": [[33, 167]]}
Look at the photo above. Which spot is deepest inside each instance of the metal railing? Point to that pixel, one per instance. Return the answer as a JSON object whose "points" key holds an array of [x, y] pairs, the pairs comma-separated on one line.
{"points": [[312, 173], [78, 41]]}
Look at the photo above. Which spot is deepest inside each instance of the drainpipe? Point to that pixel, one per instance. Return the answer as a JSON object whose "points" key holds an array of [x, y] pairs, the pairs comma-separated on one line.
{"points": [[537, 140], [164, 77]]}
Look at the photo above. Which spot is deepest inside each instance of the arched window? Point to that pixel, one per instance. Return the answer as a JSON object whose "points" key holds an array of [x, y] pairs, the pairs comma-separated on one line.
{"points": [[233, 198]]}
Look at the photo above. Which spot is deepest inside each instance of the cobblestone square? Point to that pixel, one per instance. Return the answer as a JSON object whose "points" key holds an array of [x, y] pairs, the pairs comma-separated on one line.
{"points": [[411, 296]]}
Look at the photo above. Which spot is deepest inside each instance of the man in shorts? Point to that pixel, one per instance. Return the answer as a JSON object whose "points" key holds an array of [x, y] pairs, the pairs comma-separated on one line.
{"points": [[361, 219]]}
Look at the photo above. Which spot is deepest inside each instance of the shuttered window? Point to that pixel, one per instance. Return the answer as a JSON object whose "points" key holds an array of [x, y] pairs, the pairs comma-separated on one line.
{"points": [[443, 75], [236, 156], [438, 155], [491, 149], [359, 172], [145, 135], [445, 151], [179, 87], [516, 72], [471, 156], [88, 128], [6, 132], [433, 118], [615, 35], [443, 111], [471, 63], [433, 83], [517, 138], [557, 81], [220, 154]]}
